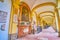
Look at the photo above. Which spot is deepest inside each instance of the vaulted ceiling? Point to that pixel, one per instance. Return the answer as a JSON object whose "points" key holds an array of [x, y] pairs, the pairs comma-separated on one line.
{"points": [[33, 3], [42, 6]]}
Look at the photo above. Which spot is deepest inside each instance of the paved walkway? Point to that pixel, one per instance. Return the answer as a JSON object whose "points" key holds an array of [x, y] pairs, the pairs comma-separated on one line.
{"points": [[46, 34]]}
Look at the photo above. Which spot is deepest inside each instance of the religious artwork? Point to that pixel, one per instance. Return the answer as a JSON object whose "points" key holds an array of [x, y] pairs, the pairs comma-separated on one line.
{"points": [[25, 14], [15, 18]]}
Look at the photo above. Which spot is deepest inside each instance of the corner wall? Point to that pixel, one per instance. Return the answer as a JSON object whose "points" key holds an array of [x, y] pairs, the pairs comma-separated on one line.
{"points": [[6, 7]]}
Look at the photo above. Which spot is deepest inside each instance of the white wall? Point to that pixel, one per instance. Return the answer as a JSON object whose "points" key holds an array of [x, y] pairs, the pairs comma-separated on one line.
{"points": [[5, 6]]}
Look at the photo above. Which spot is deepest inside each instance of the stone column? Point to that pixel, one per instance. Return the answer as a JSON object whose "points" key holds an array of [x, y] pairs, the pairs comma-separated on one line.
{"points": [[57, 21]]}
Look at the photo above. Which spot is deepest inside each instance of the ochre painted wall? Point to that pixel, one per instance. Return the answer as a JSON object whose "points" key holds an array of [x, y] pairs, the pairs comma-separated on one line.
{"points": [[14, 11]]}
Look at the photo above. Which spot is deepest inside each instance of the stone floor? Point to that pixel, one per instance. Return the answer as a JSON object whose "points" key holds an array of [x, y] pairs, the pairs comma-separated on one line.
{"points": [[46, 34]]}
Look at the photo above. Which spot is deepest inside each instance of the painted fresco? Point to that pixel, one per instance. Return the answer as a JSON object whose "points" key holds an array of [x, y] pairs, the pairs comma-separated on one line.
{"points": [[25, 14]]}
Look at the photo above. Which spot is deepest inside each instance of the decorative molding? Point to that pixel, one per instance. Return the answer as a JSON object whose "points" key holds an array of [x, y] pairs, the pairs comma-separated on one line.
{"points": [[47, 12], [48, 15]]}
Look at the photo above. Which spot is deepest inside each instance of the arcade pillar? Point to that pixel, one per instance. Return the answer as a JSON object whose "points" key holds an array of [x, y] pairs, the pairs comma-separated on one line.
{"points": [[57, 21]]}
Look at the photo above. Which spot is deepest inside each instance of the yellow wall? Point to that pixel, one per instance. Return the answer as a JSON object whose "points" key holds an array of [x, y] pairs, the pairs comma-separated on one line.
{"points": [[14, 10], [59, 13]]}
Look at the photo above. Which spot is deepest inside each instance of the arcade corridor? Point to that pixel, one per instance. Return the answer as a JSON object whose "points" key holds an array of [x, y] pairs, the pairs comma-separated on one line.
{"points": [[46, 34], [30, 20]]}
